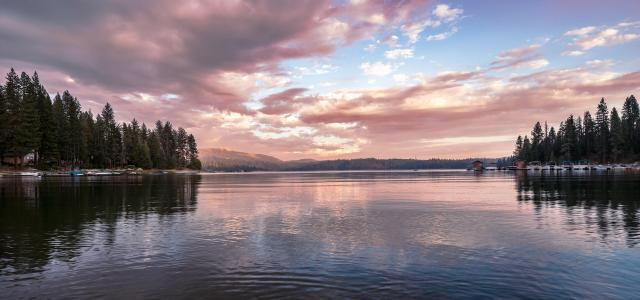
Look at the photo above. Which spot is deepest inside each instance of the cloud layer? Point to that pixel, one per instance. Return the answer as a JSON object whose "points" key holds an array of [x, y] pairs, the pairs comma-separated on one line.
{"points": [[231, 72]]}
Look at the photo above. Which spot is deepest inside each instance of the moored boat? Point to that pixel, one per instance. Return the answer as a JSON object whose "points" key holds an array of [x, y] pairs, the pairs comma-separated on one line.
{"points": [[491, 167], [549, 167], [534, 166], [56, 174], [619, 168], [581, 165], [35, 174], [601, 167]]}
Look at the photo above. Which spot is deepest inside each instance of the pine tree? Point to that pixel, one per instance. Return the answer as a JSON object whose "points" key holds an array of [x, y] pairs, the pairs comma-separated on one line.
{"points": [[168, 140], [181, 148], [63, 137], [551, 141], [570, 139], [74, 129], [602, 131], [12, 91], [194, 162], [588, 142], [630, 125], [536, 141], [48, 152], [98, 152], [617, 136], [113, 137], [155, 151], [518, 151], [3, 124], [86, 141], [579, 137], [29, 127], [526, 149]]}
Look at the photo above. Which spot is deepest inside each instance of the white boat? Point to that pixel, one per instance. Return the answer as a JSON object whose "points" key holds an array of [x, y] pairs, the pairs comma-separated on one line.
{"points": [[582, 165], [601, 168], [567, 165], [619, 168], [36, 174], [491, 167], [551, 167], [103, 173], [534, 166]]}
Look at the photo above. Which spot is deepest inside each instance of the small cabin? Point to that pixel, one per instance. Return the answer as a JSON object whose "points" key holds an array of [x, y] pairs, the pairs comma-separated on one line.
{"points": [[476, 165], [13, 159], [520, 164]]}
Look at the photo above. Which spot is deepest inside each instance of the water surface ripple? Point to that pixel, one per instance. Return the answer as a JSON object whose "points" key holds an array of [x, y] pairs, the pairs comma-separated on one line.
{"points": [[435, 234]]}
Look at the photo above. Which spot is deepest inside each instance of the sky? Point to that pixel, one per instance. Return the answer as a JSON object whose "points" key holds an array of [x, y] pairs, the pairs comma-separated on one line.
{"points": [[333, 79]]}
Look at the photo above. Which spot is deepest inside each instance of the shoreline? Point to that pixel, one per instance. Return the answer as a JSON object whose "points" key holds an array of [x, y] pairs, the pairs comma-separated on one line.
{"points": [[140, 172], [94, 172]]}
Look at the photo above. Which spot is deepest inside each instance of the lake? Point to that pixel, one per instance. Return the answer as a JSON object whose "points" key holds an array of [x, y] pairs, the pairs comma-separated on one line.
{"points": [[430, 234]]}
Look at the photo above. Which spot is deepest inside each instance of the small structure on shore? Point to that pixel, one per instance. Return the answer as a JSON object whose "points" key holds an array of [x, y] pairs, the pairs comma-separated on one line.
{"points": [[520, 165], [14, 159], [477, 165]]}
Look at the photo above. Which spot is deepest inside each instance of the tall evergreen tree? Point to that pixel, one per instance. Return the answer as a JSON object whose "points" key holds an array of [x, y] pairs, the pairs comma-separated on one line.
{"points": [[181, 148], [86, 138], [3, 124], [194, 162], [156, 152], [518, 151], [98, 152], [588, 142], [631, 125], [74, 129], [47, 152], [168, 140], [537, 135], [526, 149], [602, 131], [570, 139], [12, 91], [579, 137], [28, 136], [550, 154], [113, 138], [617, 136], [61, 135]]}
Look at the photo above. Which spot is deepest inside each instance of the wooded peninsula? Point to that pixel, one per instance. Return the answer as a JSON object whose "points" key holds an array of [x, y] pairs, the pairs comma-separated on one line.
{"points": [[46, 134], [608, 137]]}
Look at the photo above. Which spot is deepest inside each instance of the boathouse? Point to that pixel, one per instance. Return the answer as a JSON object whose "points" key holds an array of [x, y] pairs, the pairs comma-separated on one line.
{"points": [[476, 165]]}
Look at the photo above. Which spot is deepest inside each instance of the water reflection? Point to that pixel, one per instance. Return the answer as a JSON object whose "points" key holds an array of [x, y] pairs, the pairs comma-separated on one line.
{"points": [[46, 219], [332, 235], [607, 204]]}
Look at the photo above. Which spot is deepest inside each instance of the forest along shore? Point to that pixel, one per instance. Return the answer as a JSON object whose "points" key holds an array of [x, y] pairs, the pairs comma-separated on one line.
{"points": [[93, 172], [39, 132]]}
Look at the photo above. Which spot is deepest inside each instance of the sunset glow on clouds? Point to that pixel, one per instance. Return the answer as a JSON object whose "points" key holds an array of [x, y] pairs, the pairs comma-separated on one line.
{"points": [[342, 79]]}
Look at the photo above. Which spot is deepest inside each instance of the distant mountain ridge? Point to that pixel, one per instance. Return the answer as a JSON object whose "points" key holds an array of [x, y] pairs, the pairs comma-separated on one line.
{"points": [[217, 159]]}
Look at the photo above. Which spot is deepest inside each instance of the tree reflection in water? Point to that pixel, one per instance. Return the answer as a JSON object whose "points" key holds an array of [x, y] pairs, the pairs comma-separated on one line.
{"points": [[606, 203], [47, 219]]}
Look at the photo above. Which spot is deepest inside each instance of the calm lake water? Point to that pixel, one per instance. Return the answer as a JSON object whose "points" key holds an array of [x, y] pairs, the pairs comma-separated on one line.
{"points": [[437, 234]]}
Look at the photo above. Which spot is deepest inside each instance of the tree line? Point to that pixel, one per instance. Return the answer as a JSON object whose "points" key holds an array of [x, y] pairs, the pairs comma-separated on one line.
{"points": [[341, 164], [60, 135], [607, 137]]}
